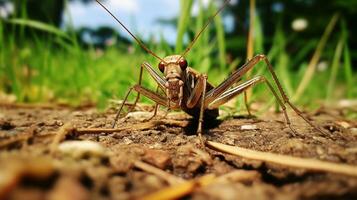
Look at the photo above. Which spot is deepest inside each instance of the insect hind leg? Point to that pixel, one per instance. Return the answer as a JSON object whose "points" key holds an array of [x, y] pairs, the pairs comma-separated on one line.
{"points": [[233, 92], [236, 76], [284, 96]]}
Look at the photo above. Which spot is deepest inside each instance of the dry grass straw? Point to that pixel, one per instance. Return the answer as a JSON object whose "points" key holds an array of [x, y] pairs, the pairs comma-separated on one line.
{"points": [[171, 179], [289, 161], [180, 190]]}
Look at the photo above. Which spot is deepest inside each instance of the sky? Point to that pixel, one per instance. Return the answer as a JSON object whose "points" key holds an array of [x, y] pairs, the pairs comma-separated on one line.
{"points": [[140, 16]]}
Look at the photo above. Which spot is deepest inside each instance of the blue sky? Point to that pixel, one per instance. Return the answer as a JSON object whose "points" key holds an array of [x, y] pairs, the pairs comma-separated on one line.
{"points": [[140, 16]]}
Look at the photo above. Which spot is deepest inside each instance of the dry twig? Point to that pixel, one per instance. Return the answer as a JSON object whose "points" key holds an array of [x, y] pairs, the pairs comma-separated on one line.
{"points": [[137, 127], [61, 135], [22, 137], [45, 106]]}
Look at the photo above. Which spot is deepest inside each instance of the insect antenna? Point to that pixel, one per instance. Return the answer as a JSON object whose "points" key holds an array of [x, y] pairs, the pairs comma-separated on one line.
{"points": [[131, 34], [204, 28]]}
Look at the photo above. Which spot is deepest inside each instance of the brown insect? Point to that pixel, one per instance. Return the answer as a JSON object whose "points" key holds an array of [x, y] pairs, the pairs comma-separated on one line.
{"points": [[188, 90]]}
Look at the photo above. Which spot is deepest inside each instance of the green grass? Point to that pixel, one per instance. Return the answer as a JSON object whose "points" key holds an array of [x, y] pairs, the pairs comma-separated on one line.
{"points": [[57, 69]]}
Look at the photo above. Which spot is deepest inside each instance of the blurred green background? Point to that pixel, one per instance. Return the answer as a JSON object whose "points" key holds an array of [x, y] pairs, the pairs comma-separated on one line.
{"points": [[309, 42]]}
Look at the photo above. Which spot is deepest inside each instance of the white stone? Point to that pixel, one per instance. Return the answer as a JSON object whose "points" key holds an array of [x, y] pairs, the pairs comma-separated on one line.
{"points": [[249, 127], [140, 115], [81, 148]]}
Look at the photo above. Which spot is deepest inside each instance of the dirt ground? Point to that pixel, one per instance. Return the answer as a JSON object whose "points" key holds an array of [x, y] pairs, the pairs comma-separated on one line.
{"points": [[41, 157]]}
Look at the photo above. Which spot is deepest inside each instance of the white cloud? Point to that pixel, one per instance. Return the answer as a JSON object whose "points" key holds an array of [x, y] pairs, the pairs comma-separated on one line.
{"points": [[130, 6], [6, 9], [233, 2], [205, 4], [196, 6], [76, 9], [92, 15]]}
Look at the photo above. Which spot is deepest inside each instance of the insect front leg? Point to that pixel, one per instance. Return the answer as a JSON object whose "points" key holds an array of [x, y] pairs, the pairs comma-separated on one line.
{"points": [[160, 100], [199, 129], [156, 107], [158, 79], [121, 107], [198, 93]]}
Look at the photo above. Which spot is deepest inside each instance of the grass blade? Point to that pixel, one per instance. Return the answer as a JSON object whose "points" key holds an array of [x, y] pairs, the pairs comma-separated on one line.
{"points": [[250, 43], [334, 68], [221, 41], [347, 61], [309, 73], [185, 15], [40, 26]]}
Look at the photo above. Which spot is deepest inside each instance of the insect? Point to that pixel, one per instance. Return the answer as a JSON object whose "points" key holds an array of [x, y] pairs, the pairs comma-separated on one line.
{"points": [[188, 90]]}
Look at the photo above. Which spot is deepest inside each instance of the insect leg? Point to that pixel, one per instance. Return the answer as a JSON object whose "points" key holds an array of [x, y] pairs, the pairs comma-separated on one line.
{"points": [[157, 77], [159, 80], [156, 107], [121, 107], [233, 92], [199, 129], [285, 98], [151, 95], [147, 93], [246, 104], [155, 112], [196, 92], [236, 76]]}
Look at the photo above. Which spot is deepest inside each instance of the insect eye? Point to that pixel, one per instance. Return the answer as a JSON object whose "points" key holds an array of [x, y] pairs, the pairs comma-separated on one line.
{"points": [[183, 64], [162, 67]]}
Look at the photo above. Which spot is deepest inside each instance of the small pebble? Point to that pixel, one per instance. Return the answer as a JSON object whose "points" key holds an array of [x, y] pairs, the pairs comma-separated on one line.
{"points": [[157, 158], [354, 131], [249, 127], [229, 141], [78, 149], [127, 141], [77, 114], [343, 124], [140, 115]]}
